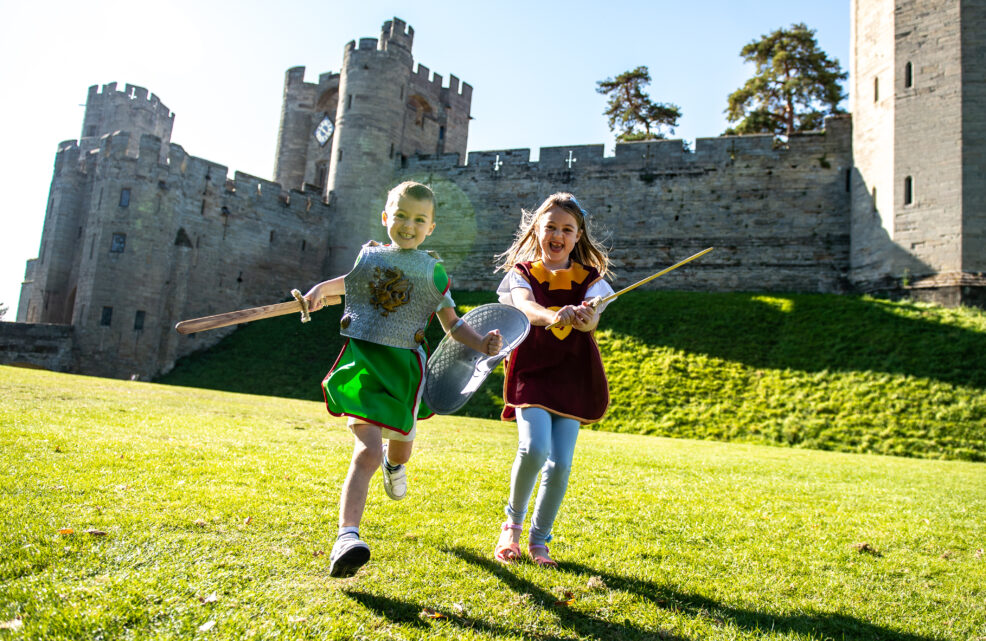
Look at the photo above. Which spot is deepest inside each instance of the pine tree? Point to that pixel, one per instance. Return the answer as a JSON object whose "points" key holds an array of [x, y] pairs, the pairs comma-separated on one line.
{"points": [[795, 86], [630, 109]]}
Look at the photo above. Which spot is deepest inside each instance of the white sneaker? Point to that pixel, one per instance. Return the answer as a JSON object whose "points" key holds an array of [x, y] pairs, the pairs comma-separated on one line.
{"points": [[349, 554], [394, 483]]}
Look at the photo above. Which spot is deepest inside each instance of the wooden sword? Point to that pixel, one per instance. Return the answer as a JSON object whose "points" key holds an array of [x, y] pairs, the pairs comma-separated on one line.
{"points": [[641, 282], [299, 304]]}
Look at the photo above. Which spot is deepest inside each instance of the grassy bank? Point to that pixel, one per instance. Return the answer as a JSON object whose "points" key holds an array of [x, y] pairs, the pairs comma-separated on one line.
{"points": [[136, 511], [826, 372]]}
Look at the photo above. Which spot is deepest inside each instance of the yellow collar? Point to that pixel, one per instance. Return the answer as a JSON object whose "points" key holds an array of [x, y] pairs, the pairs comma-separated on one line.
{"points": [[561, 278]]}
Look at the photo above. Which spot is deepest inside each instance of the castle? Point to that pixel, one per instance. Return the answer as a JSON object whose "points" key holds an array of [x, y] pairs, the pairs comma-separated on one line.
{"points": [[138, 234]]}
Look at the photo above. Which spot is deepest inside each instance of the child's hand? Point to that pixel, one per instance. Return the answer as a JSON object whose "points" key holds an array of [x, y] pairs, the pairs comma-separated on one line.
{"points": [[585, 317], [565, 316], [315, 301], [492, 343]]}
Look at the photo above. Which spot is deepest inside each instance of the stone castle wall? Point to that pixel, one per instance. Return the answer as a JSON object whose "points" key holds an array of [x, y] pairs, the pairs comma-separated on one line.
{"points": [[778, 215], [188, 242], [31, 345]]}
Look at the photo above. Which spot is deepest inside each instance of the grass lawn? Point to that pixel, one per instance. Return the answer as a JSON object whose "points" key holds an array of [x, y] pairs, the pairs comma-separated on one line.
{"points": [[143, 511]]}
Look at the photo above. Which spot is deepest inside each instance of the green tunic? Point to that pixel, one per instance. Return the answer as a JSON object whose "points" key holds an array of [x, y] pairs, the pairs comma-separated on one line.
{"points": [[382, 385]]}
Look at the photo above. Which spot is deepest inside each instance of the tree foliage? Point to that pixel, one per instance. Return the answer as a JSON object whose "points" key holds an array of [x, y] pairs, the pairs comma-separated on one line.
{"points": [[795, 85], [630, 110]]}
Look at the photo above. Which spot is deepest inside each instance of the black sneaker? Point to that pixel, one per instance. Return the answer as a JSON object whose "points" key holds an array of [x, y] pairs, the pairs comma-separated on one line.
{"points": [[349, 554]]}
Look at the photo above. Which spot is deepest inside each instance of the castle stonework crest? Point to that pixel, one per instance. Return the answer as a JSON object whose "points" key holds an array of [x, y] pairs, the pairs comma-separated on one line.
{"points": [[140, 234]]}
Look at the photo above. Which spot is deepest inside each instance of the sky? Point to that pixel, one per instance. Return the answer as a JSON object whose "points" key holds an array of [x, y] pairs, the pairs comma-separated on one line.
{"points": [[219, 67]]}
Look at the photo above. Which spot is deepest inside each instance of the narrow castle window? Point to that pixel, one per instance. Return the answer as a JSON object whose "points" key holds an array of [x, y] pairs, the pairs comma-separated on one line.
{"points": [[876, 89], [118, 244], [125, 197], [848, 179], [391, 150], [182, 239], [908, 190], [441, 133], [106, 318], [302, 245], [139, 320], [349, 101], [339, 159], [92, 131], [271, 237], [908, 75]]}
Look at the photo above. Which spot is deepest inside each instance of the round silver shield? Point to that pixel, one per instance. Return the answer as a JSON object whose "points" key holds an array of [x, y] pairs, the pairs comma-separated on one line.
{"points": [[455, 371]]}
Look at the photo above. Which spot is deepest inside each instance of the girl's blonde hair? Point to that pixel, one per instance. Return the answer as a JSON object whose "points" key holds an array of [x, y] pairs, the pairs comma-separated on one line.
{"points": [[525, 247]]}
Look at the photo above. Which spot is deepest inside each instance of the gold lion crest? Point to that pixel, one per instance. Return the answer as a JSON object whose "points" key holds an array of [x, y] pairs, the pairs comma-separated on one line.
{"points": [[389, 289]]}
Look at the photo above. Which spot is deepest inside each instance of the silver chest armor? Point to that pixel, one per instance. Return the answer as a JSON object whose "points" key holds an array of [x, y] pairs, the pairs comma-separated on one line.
{"points": [[390, 295]]}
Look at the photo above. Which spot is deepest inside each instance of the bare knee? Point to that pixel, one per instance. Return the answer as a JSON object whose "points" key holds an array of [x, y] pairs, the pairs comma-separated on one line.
{"points": [[367, 450]]}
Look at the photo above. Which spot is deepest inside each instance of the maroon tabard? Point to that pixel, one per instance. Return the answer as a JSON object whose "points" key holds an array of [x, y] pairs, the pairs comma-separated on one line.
{"points": [[559, 369]]}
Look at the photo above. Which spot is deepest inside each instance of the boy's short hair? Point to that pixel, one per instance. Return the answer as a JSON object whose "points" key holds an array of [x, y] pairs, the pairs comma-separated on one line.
{"points": [[411, 189]]}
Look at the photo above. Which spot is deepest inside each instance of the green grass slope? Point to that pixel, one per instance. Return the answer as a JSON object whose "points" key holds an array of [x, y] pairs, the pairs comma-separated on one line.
{"points": [[142, 511], [819, 371]]}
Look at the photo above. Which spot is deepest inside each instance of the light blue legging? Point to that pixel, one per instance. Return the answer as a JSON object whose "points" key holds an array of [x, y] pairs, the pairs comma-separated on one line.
{"points": [[546, 445]]}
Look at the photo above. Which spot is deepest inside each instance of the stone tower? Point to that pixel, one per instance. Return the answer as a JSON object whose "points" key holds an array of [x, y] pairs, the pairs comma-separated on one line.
{"points": [[133, 110], [304, 138], [919, 147], [349, 134], [69, 219]]}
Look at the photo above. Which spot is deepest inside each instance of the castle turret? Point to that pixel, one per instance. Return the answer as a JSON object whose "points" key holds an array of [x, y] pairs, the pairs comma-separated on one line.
{"points": [[50, 295], [919, 126], [368, 126], [134, 109], [294, 131]]}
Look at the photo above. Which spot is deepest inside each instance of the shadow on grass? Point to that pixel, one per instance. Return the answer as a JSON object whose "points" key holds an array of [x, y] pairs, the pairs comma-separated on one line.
{"points": [[806, 332], [410, 613], [583, 625], [826, 625]]}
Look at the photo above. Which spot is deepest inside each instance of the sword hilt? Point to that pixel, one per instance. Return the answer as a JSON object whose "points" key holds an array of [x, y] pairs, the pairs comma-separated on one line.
{"points": [[305, 315]]}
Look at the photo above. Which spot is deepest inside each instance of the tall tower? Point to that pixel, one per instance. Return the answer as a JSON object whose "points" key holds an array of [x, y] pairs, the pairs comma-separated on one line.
{"points": [[71, 215], [367, 139], [918, 100], [347, 135], [304, 138]]}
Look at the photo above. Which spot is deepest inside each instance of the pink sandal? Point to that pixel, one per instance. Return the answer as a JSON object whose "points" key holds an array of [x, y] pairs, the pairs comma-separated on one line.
{"points": [[541, 556], [510, 552]]}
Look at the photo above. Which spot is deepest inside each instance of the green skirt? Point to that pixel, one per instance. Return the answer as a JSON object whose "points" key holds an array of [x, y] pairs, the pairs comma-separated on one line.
{"points": [[378, 384]]}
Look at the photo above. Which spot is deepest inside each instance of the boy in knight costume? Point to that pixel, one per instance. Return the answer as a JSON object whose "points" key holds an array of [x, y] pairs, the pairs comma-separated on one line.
{"points": [[554, 380], [377, 381]]}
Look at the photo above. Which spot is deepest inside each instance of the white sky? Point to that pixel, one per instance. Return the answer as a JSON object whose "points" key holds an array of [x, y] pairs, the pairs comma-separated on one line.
{"points": [[220, 68]]}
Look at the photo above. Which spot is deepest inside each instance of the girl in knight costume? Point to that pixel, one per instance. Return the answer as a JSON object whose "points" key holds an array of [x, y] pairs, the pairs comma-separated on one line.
{"points": [[377, 381], [554, 380]]}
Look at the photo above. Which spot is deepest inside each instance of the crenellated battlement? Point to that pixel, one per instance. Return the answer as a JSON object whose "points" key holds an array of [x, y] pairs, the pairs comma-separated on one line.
{"points": [[661, 154], [396, 32], [132, 94], [167, 163]]}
